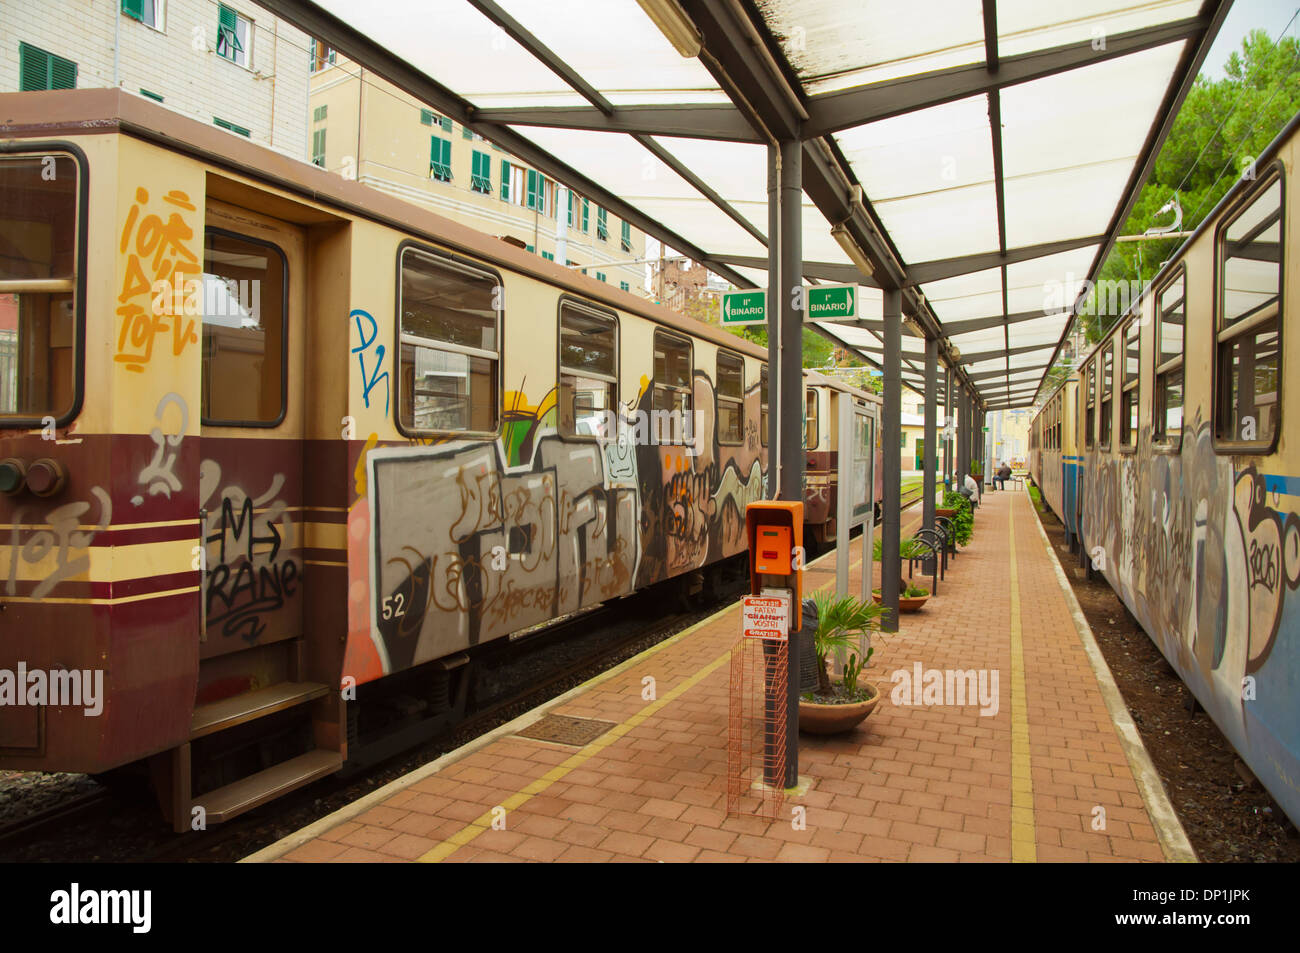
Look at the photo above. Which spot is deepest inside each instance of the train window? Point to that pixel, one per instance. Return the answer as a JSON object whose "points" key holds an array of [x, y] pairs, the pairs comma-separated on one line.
{"points": [[39, 306], [1167, 422], [1131, 341], [588, 370], [1107, 393], [245, 293], [1090, 416], [731, 399], [762, 406], [449, 332], [671, 399], [810, 424], [1248, 347]]}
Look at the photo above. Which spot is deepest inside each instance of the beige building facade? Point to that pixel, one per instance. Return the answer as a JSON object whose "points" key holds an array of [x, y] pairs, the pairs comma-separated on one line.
{"points": [[232, 64], [365, 128]]}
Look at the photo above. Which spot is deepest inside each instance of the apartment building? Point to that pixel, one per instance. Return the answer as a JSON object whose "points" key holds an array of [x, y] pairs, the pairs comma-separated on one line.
{"points": [[365, 128], [228, 63]]}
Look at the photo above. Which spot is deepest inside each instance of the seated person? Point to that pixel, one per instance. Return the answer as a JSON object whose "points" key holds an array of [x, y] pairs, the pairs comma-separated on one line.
{"points": [[971, 490], [1002, 476]]}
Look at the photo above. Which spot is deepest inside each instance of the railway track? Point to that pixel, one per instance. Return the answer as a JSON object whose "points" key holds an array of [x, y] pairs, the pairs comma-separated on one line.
{"points": [[622, 629]]}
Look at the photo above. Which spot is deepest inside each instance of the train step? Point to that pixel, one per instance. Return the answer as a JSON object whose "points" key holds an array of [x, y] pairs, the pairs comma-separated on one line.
{"points": [[256, 789], [229, 712]]}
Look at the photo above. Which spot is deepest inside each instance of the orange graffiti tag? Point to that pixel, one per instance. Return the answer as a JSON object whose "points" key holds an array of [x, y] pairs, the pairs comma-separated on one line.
{"points": [[161, 248]]}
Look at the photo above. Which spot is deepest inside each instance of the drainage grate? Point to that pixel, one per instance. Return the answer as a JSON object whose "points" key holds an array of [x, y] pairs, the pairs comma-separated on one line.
{"points": [[566, 730]]}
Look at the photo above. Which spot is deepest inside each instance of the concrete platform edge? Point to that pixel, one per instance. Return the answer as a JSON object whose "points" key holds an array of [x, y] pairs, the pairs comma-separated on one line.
{"points": [[1169, 830]]}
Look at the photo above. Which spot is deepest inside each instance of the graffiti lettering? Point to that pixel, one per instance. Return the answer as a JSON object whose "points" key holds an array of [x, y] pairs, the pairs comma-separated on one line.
{"points": [[62, 536], [159, 475], [368, 336], [167, 244]]}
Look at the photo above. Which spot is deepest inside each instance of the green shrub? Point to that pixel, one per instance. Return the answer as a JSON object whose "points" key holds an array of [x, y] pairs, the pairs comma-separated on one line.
{"points": [[963, 518]]}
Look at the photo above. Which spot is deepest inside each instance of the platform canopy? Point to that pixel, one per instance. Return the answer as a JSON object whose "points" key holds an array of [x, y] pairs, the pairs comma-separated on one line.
{"points": [[980, 156]]}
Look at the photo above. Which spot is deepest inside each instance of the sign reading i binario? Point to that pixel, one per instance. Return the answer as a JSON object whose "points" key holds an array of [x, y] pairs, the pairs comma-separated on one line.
{"points": [[744, 307], [765, 617], [831, 303]]}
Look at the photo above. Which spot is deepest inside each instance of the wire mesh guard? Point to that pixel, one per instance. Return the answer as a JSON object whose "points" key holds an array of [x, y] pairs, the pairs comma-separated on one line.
{"points": [[756, 727]]}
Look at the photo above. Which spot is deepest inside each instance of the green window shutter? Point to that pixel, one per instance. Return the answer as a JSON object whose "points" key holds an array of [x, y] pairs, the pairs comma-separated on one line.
{"points": [[227, 32], [318, 148], [426, 117], [38, 69], [440, 158], [63, 73], [320, 112], [529, 248], [600, 276], [586, 209], [446, 124], [602, 224], [33, 68], [570, 208], [466, 132], [532, 188], [481, 173], [627, 236], [623, 286], [134, 9], [505, 181], [548, 256], [311, 60], [148, 95]]}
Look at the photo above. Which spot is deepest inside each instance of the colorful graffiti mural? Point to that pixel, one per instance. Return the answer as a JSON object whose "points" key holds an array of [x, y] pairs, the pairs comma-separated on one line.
{"points": [[1208, 560]]}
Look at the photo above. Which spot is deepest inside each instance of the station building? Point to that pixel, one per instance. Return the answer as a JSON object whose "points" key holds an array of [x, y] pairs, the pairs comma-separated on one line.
{"points": [[366, 128]]}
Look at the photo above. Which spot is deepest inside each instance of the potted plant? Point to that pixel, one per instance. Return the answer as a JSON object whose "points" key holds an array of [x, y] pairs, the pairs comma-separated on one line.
{"points": [[842, 622], [910, 598], [963, 516]]}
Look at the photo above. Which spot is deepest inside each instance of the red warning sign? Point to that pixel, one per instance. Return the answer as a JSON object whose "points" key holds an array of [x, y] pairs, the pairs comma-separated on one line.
{"points": [[765, 617]]}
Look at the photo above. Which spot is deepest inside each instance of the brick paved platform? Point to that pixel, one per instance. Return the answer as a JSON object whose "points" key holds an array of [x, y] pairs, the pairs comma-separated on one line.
{"points": [[1058, 773]]}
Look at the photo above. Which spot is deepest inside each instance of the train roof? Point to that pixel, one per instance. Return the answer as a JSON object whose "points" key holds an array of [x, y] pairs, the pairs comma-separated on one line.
{"points": [[64, 113], [813, 377]]}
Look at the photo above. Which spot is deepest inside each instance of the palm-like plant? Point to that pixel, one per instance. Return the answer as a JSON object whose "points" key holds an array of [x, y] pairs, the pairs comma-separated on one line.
{"points": [[841, 622]]}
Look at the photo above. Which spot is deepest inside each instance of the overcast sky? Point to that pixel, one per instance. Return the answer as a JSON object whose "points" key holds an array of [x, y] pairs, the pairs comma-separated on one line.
{"points": [[1246, 15]]}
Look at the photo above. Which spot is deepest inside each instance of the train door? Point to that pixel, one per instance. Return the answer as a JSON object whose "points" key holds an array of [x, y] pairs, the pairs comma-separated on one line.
{"points": [[251, 446]]}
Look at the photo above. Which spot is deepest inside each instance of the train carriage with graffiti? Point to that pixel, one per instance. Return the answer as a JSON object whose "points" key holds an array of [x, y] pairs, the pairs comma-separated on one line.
{"points": [[1190, 479], [273, 440]]}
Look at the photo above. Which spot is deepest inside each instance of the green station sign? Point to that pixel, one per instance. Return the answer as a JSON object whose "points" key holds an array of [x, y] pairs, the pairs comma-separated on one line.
{"points": [[821, 303], [744, 307], [831, 303]]}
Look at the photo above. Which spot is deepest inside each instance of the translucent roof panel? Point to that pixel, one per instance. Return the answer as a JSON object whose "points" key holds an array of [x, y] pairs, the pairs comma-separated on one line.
{"points": [[943, 147], [837, 45], [947, 224], [640, 62], [1027, 25]]}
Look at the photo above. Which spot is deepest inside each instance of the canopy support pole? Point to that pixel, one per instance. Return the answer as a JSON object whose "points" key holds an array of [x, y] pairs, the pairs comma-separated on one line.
{"points": [[891, 466], [931, 433]]}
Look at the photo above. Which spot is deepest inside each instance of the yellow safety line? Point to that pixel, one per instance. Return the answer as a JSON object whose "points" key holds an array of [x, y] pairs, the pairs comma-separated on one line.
{"points": [[1024, 839], [484, 821]]}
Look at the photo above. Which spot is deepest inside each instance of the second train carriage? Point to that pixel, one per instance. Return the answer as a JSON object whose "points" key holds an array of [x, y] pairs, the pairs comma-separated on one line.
{"points": [[268, 434], [1189, 442]]}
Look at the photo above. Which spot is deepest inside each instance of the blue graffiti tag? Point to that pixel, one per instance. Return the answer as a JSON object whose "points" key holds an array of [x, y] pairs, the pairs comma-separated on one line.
{"points": [[370, 382]]}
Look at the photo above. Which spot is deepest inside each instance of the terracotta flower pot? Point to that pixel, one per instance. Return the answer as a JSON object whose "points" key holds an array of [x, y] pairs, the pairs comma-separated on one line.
{"points": [[904, 604], [833, 719]]}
